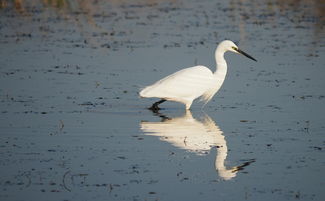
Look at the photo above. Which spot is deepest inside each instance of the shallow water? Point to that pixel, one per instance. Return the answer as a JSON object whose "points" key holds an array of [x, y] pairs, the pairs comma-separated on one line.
{"points": [[73, 128]]}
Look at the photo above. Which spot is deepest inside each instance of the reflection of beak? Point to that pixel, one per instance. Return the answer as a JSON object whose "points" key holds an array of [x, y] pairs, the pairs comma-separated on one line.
{"points": [[241, 167], [244, 53]]}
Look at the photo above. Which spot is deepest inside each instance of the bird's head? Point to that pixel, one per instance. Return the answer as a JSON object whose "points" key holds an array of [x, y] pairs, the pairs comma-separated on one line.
{"points": [[228, 45]]}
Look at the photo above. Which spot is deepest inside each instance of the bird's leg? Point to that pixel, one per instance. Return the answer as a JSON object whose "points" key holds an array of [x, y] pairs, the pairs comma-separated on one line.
{"points": [[155, 107]]}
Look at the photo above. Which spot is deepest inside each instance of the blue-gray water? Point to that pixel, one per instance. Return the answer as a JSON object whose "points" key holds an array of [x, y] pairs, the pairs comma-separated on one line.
{"points": [[72, 126]]}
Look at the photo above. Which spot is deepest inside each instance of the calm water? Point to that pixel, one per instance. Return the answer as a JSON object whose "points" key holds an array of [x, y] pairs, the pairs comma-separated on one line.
{"points": [[73, 128]]}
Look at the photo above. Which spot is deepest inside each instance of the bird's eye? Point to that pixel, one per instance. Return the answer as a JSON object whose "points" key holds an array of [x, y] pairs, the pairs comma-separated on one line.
{"points": [[234, 48]]}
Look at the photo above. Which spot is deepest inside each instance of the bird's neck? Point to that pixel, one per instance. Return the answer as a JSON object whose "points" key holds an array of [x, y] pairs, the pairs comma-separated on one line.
{"points": [[221, 64]]}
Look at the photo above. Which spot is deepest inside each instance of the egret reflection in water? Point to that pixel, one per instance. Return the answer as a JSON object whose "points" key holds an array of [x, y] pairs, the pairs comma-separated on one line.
{"points": [[195, 136]]}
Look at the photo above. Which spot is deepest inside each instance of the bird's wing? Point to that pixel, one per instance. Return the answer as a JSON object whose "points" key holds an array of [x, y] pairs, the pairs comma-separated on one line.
{"points": [[188, 83]]}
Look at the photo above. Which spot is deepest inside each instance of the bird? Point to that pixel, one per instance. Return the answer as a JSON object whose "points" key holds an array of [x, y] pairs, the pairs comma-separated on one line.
{"points": [[188, 84]]}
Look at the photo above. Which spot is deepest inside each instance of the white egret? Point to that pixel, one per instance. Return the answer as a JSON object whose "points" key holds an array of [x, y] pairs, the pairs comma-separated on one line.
{"points": [[190, 83]]}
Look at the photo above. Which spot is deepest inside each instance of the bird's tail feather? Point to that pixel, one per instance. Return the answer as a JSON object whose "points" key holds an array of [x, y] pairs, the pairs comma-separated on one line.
{"points": [[144, 93]]}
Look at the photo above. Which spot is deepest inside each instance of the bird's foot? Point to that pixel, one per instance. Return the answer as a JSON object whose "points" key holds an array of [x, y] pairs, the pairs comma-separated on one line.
{"points": [[155, 107]]}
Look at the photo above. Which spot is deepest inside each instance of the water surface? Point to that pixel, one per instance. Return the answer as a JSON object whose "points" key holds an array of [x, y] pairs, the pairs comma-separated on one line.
{"points": [[72, 126]]}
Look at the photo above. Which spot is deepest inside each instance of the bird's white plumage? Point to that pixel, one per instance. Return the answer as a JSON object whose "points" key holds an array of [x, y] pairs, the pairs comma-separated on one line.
{"points": [[190, 83], [183, 86]]}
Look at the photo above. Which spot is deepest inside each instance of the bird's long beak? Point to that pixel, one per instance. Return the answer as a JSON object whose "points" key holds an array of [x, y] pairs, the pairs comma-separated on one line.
{"points": [[244, 53]]}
